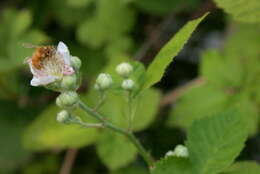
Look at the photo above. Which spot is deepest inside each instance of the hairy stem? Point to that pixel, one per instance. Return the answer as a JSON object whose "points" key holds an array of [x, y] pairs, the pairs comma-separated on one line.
{"points": [[146, 156]]}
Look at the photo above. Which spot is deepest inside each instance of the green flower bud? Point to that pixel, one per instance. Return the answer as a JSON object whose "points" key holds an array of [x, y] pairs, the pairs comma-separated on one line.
{"points": [[75, 62], [69, 82], [128, 84], [124, 69], [67, 100], [104, 81], [63, 117], [181, 151]]}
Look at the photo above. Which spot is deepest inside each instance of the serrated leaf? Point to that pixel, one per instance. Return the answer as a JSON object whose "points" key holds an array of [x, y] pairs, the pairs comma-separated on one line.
{"points": [[195, 103], [242, 10], [46, 133], [215, 142], [243, 167], [173, 165], [115, 150], [156, 69]]}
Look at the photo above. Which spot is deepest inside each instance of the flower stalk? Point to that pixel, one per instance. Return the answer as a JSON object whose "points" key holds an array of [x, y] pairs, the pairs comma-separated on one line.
{"points": [[146, 156]]}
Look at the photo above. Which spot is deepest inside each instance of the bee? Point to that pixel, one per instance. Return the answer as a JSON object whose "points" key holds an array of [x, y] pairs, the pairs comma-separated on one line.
{"points": [[40, 54]]}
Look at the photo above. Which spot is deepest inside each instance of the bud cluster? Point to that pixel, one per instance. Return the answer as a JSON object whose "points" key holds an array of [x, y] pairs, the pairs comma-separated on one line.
{"points": [[104, 81], [124, 70]]}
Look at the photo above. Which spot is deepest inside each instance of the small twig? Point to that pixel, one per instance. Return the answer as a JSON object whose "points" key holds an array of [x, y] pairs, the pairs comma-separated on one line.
{"points": [[68, 162], [90, 125], [173, 95]]}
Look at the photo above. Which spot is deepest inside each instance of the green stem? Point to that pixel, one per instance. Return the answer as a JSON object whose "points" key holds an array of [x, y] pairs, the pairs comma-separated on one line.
{"points": [[149, 160], [101, 101]]}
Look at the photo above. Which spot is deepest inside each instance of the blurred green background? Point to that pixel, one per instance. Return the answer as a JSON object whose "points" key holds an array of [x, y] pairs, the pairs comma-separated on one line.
{"points": [[217, 68]]}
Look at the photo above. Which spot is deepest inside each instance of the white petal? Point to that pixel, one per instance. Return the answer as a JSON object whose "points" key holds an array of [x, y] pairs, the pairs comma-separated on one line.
{"points": [[63, 50], [44, 80]]}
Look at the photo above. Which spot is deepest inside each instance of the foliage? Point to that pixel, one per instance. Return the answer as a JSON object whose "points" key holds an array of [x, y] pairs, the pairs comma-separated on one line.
{"points": [[115, 150], [210, 139], [242, 10], [46, 133], [173, 165], [156, 70], [213, 142], [229, 79], [105, 33]]}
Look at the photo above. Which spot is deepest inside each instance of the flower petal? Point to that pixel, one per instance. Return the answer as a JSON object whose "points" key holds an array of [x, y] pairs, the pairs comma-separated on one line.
{"points": [[42, 80], [63, 50]]}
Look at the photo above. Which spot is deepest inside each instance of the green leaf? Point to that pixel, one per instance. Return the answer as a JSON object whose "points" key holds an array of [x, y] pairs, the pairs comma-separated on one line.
{"points": [[215, 142], [173, 165], [242, 10], [112, 20], [78, 3], [68, 7], [220, 70], [248, 110], [197, 102], [21, 23], [168, 52], [243, 167], [131, 170], [115, 150], [46, 133]]}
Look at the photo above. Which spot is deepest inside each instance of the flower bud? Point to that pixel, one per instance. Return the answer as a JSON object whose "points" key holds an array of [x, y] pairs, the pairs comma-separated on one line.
{"points": [[69, 82], [124, 69], [169, 153], [75, 62], [128, 84], [181, 151], [67, 99], [104, 81], [63, 117]]}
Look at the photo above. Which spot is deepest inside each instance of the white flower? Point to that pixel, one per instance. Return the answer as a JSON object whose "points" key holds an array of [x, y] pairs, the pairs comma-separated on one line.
{"points": [[49, 64]]}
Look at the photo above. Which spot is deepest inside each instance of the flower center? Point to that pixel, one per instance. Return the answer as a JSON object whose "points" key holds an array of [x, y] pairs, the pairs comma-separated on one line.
{"points": [[53, 65]]}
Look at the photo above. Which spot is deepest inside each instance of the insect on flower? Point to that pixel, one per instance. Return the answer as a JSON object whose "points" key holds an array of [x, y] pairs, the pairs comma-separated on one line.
{"points": [[49, 64]]}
